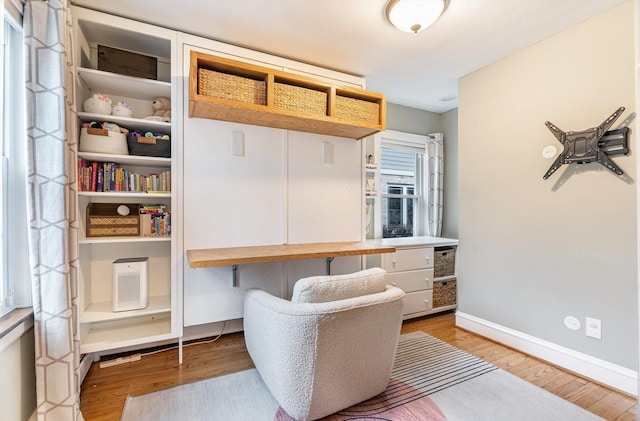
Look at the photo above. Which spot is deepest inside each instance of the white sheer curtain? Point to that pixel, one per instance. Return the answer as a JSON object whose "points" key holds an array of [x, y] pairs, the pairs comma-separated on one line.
{"points": [[434, 183], [51, 206]]}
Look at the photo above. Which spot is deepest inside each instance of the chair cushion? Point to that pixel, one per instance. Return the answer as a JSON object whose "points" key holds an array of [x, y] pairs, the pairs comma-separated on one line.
{"points": [[322, 289]]}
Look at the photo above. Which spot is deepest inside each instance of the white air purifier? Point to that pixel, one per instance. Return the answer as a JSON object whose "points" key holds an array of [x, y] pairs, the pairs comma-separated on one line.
{"points": [[130, 283]]}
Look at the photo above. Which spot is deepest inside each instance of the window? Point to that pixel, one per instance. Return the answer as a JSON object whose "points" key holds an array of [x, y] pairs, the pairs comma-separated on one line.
{"points": [[401, 182], [15, 290]]}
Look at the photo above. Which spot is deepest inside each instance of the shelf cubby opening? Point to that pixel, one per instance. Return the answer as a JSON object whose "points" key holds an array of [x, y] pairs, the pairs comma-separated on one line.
{"points": [[293, 102], [223, 81], [357, 108], [301, 96]]}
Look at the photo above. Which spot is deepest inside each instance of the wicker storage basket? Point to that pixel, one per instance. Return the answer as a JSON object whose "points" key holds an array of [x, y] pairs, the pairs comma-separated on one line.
{"points": [[103, 220], [444, 262], [236, 88], [299, 99], [357, 110], [444, 293], [149, 146]]}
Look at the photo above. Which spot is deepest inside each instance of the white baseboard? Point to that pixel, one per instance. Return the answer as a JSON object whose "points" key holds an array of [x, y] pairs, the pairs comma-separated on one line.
{"points": [[85, 364], [612, 375]]}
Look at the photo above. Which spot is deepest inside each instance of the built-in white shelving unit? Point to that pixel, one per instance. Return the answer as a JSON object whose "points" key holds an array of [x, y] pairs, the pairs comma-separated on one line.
{"points": [[101, 329]]}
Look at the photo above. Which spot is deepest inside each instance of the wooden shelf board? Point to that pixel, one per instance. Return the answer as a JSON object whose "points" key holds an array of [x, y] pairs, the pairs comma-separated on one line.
{"points": [[205, 107], [122, 239], [142, 161], [276, 253], [101, 312], [121, 85], [129, 195], [128, 122], [113, 337]]}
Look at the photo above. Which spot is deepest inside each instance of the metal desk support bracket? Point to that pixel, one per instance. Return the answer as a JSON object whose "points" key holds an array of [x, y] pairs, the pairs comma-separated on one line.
{"points": [[236, 278], [329, 260]]}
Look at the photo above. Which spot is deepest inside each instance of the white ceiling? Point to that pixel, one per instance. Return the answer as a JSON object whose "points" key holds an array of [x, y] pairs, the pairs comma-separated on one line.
{"points": [[353, 36]]}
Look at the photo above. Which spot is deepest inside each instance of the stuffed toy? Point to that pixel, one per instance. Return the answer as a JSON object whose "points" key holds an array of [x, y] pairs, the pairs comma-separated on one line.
{"points": [[112, 127], [98, 104], [122, 109], [161, 110]]}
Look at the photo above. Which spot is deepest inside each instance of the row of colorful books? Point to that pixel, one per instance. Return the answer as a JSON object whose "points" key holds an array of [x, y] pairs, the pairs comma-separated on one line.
{"points": [[111, 176], [155, 221]]}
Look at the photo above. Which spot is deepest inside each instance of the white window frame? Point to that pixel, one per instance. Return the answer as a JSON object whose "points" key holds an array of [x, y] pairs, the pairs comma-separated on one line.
{"points": [[15, 290], [418, 144], [405, 203]]}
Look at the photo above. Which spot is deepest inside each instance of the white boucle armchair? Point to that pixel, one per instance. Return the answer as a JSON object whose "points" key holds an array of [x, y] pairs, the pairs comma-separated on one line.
{"points": [[331, 346]]}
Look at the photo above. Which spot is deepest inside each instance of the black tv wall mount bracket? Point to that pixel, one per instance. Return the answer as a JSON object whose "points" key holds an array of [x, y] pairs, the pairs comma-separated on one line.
{"points": [[591, 145]]}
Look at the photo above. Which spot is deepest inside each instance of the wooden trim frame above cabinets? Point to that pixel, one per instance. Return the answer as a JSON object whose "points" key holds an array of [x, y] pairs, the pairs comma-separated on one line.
{"points": [[230, 90]]}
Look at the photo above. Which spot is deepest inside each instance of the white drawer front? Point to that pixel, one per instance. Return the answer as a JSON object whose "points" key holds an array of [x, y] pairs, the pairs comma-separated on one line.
{"points": [[415, 302], [408, 259], [415, 280]]}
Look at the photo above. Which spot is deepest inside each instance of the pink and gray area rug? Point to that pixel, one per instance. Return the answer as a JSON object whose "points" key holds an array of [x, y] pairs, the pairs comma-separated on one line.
{"points": [[431, 380]]}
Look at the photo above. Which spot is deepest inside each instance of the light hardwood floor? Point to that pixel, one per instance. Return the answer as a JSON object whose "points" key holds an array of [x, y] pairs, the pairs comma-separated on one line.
{"points": [[104, 390]]}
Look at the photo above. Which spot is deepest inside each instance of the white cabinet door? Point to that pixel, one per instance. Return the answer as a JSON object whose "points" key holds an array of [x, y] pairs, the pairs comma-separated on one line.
{"points": [[324, 188], [230, 201], [419, 301], [413, 280], [408, 259]]}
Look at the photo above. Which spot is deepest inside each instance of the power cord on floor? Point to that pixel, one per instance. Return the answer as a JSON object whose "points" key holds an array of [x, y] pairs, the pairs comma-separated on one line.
{"points": [[138, 356], [190, 343]]}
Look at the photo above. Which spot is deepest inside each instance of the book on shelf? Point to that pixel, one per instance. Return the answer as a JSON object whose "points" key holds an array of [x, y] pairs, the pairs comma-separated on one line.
{"points": [[110, 176], [155, 221]]}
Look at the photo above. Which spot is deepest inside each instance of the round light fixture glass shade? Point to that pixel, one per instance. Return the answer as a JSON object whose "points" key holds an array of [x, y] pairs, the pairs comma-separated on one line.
{"points": [[414, 15]]}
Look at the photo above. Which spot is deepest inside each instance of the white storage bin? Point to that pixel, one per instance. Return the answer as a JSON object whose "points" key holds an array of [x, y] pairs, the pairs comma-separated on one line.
{"points": [[111, 143]]}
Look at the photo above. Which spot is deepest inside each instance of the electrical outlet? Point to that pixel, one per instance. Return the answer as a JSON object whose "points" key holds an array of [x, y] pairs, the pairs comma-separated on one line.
{"points": [[594, 328]]}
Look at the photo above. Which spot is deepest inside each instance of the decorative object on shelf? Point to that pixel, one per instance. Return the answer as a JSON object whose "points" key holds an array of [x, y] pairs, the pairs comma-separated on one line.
{"points": [[103, 138], [149, 144], [368, 212], [370, 160], [127, 63], [371, 185], [104, 220], [98, 104], [123, 210], [161, 110], [103, 177], [122, 109], [591, 145], [414, 15], [112, 127], [155, 221], [130, 284]]}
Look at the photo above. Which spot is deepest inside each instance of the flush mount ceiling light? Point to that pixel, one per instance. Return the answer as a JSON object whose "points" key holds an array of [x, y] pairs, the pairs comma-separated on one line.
{"points": [[414, 15]]}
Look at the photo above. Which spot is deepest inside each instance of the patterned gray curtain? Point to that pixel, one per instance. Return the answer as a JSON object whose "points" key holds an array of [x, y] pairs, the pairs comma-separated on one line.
{"points": [[51, 206], [434, 178]]}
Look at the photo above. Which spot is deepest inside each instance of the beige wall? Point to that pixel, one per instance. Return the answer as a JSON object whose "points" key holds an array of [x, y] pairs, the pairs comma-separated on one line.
{"points": [[18, 379], [449, 122], [412, 120], [533, 251]]}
